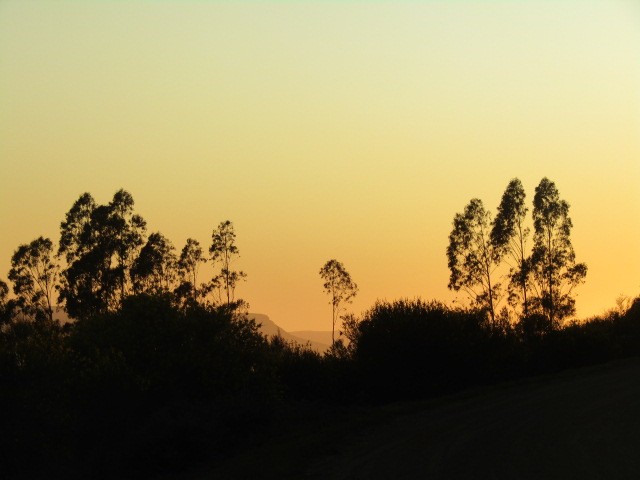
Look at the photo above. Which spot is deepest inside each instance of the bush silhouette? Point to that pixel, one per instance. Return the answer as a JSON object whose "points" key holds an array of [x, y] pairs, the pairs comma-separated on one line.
{"points": [[143, 388], [410, 348]]}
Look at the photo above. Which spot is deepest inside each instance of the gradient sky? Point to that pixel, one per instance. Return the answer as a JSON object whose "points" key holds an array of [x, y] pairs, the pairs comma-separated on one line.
{"points": [[348, 130]]}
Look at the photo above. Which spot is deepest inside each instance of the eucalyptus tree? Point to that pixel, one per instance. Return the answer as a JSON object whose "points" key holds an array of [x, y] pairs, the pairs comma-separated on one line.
{"points": [[340, 288], [127, 230], [553, 265], [191, 258], [99, 244], [224, 252], [75, 231], [155, 270], [34, 273], [82, 281], [472, 258], [509, 238]]}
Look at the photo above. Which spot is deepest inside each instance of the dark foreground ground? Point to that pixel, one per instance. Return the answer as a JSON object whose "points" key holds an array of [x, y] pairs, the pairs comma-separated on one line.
{"points": [[582, 424]]}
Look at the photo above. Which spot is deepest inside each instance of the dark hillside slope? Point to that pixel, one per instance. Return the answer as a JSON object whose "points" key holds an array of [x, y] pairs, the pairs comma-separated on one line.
{"points": [[579, 424]]}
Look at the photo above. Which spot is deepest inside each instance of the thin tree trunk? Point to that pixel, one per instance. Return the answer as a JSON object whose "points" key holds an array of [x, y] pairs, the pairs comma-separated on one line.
{"points": [[523, 277], [333, 324], [550, 280], [524, 290], [487, 264], [493, 316]]}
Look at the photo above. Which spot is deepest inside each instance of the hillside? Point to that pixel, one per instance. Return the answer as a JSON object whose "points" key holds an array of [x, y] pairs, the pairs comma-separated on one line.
{"points": [[581, 423]]}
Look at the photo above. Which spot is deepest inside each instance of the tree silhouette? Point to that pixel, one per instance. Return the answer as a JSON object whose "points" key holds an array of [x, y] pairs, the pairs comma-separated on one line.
{"points": [[34, 273], [509, 237], [155, 269], [191, 257], [553, 265], [472, 257], [99, 243], [127, 230], [223, 251], [82, 282], [339, 286], [75, 231]]}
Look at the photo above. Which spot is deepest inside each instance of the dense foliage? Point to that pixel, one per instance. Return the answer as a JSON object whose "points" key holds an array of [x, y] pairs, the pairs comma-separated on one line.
{"points": [[148, 386], [153, 387]]}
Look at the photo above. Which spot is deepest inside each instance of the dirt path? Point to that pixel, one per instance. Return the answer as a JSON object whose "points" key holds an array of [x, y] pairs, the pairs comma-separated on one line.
{"points": [[583, 424]]}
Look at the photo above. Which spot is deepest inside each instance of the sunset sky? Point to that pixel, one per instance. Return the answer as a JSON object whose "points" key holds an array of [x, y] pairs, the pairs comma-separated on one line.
{"points": [[347, 130]]}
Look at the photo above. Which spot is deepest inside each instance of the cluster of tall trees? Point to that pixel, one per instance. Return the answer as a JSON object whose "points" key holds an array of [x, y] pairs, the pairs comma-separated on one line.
{"points": [[104, 255], [541, 279]]}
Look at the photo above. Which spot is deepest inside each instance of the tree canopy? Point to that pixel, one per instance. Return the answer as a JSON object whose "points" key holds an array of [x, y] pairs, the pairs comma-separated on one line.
{"points": [[472, 257], [553, 264], [509, 237], [34, 273], [100, 243], [155, 270], [540, 281]]}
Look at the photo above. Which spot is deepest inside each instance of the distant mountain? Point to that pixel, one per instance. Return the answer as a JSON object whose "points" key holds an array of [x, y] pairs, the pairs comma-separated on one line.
{"points": [[323, 337], [318, 341]]}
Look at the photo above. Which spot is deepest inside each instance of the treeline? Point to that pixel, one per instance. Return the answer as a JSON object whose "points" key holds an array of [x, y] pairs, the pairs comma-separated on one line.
{"points": [[159, 371], [153, 388]]}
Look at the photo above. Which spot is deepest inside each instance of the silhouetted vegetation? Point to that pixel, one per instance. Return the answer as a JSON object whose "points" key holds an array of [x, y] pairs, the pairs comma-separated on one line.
{"points": [[541, 282], [159, 372], [339, 286], [148, 386]]}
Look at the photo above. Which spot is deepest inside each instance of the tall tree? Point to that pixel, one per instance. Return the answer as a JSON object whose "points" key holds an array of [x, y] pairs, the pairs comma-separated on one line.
{"points": [[155, 269], [82, 289], [224, 252], [555, 271], [191, 257], [509, 238], [34, 273], [472, 258], [127, 230], [340, 288], [75, 230], [99, 243]]}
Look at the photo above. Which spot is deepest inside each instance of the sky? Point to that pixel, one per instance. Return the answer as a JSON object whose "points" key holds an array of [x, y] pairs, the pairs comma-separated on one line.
{"points": [[348, 130]]}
